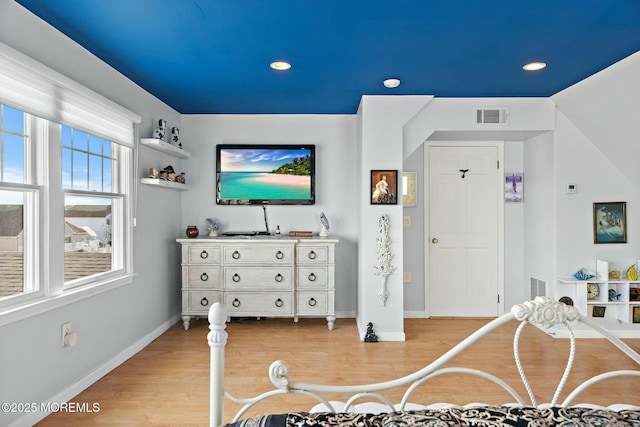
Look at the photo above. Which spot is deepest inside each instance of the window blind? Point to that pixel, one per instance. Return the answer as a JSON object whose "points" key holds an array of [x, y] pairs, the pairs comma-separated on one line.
{"points": [[32, 87]]}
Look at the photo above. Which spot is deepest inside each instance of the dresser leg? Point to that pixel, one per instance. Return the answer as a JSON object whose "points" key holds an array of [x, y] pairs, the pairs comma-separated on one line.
{"points": [[185, 322], [331, 320], [295, 319]]}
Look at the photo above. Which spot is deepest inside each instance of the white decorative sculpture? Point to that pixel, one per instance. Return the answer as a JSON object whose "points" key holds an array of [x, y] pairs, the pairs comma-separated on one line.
{"points": [[324, 232], [384, 267]]}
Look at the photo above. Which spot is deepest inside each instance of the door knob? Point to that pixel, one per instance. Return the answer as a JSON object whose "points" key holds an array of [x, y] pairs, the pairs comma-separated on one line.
{"points": [[434, 240]]}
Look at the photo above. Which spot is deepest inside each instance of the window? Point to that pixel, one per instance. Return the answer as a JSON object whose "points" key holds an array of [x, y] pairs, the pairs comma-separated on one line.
{"points": [[66, 189], [92, 205], [17, 205]]}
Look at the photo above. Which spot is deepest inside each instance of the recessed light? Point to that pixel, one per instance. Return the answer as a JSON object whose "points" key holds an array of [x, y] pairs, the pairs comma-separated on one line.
{"points": [[391, 83], [534, 66], [280, 65]]}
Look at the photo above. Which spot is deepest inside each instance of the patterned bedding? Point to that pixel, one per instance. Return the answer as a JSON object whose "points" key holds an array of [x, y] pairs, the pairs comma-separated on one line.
{"points": [[477, 416]]}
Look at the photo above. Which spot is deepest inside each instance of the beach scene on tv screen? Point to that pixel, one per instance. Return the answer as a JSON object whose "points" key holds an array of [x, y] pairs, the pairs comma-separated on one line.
{"points": [[265, 174]]}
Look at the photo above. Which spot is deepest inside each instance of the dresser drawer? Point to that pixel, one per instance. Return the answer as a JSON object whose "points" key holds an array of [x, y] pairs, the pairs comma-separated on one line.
{"points": [[203, 277], [258, 255], [312, 277], [311, 303], [201, 254], [312, 254], [267, 278], [258, 303], [201, 301]]}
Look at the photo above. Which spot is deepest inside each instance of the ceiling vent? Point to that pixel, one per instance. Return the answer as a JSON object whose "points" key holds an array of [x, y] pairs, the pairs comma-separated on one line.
{"points": [[491, 116]]}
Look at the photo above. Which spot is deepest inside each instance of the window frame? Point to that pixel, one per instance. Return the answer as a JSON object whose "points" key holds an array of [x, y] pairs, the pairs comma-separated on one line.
{"points": [[50, 101]]}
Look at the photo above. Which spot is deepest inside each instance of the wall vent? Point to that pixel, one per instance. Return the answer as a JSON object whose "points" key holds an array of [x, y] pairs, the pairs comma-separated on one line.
{"points": [[491, 116], [538, 287]]}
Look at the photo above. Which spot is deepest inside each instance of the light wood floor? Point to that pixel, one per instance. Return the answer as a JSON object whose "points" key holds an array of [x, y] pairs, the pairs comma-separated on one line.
{"points": [[167, 384]]}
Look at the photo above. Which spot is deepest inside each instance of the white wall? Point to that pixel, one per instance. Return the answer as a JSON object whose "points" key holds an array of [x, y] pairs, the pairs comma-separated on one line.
{"points": [[381, 133], [540, 229], [413, 240], [595, 147], [515, 284], [33, 365], [336, 182]]}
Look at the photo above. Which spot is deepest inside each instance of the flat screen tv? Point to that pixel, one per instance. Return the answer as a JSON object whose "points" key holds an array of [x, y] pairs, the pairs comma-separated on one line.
{"points": [[268, 174]]}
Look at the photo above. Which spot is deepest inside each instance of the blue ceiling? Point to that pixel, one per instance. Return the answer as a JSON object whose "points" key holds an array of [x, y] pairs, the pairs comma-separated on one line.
{"points": [[212, 56]]}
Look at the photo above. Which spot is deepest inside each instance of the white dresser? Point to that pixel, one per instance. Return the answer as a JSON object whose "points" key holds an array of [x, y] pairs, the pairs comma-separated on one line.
{"points": [[259, 277]]}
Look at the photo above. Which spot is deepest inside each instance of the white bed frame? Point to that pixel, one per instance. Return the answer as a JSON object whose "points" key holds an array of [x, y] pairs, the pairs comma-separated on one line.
{"points": [[543, 312]]}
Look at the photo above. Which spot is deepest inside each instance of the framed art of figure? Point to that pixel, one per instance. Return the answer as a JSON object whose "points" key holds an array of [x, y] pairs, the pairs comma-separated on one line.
{"points": [[610, 222], [384, 187]]}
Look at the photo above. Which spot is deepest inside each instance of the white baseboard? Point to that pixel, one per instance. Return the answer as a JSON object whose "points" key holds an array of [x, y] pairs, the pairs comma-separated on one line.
{"points": [[345, 314], [415, 314], [73, 390]]}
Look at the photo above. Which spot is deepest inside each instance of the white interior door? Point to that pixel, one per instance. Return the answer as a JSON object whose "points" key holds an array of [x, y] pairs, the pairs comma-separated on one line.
{"points": [[464, 190]]}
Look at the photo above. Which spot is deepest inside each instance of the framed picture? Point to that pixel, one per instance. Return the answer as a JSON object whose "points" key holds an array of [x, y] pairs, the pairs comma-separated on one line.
{"points": [[598, 310], [610, 222], [384, 187], [513, 187], [409, 189], [636, 314]]}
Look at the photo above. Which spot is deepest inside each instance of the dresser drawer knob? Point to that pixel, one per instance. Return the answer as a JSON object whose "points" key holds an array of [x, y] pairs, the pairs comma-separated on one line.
{"points": [[279, 278], [312, 277], [236, 278], [279, 255], [204, 302], [204, 254], [235, 255], [279, 303], [235, 302], [312, 302], [204, 277], [312, 255]]}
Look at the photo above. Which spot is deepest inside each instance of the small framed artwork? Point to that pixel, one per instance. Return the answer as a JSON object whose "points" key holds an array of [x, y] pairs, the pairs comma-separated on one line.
{"points": [[636, 314], [513, 187], [384, 187], [610, 222], [598, 310], [409, 189]]}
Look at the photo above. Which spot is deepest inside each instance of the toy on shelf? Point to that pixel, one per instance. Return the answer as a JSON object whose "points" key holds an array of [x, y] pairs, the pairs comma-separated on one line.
{"points": [[161, 130]]}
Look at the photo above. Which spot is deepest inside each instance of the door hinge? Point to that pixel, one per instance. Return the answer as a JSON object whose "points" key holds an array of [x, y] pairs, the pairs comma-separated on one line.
{"points": [[498, 298], [497, 164]]}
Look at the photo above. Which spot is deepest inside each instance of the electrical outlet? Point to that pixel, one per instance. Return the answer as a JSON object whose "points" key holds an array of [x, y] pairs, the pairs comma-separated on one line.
{"points": [[406, 221], [66, 329], [406, 277]]}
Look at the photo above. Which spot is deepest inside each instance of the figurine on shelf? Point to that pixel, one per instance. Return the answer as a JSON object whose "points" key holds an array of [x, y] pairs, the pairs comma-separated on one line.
{"points": [[161, 130], [278, 233], [370, 336], [213, 227], [153, 173], [168, 174], [181, 178], [175, 137]]}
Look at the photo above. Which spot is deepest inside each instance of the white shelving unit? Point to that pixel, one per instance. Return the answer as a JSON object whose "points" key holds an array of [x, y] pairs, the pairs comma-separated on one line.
{"points": [[165, 147], [164, 183], [158, 144], [619, 308]]}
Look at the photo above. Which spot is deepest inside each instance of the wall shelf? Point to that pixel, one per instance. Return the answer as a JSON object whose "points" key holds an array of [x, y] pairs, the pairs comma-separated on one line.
{"points": [[164, 184], [165, 147]]}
